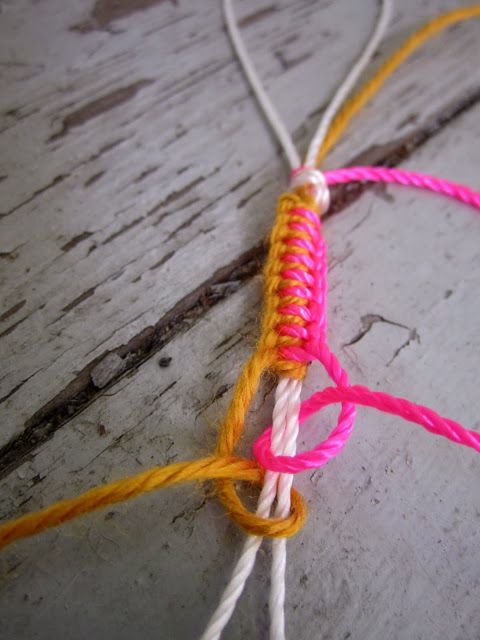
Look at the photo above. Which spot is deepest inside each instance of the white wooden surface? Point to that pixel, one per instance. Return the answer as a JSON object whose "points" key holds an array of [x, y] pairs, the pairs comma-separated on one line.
{"points": [[138, 181]]}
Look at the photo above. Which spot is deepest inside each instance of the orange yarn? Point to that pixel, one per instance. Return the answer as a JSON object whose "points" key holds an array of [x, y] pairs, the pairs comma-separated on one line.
{"points": [[204, 469], [370, 88]]}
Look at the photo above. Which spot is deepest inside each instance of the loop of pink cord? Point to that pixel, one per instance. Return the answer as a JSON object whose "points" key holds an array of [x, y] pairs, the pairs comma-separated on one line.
{"points": [[316, 348]]}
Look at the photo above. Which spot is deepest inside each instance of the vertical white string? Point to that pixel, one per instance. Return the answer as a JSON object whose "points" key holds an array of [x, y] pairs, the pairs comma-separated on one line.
{"points": [[271, 113], [349, 82], [287, 397], [264, 101], [279, 545], [287, 402]]}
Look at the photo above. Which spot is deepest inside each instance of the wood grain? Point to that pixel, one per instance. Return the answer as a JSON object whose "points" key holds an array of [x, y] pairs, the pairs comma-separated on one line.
{"points": [[138, 183]]}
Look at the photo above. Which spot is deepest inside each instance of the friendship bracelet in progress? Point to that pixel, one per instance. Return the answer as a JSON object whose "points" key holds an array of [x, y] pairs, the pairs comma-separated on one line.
{"points": [[293, 334]]}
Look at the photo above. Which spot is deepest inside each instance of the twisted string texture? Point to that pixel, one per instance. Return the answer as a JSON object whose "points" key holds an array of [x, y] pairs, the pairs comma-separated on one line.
{"points": [[285, 413], [267, 106], [282, 509]]}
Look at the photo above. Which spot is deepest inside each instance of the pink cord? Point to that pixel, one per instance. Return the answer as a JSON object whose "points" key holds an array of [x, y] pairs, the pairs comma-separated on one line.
{"points": [[359, 395], [407, 178], [314, 291], [308, 272]]}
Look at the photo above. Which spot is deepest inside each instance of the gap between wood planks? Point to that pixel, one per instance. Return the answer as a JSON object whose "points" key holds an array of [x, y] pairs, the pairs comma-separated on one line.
{"points": [[105, 370]]}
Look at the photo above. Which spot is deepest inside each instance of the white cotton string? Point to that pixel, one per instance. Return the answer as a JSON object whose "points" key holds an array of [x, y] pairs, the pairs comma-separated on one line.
{"points": [[349, 82], [264, 101], [270, 112], [287, 396], [284, 486], [287, 402], [244, 565]]}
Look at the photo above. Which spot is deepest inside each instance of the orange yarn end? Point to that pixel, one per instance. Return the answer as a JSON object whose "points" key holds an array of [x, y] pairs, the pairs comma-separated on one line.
{"points": [[209, 468]]}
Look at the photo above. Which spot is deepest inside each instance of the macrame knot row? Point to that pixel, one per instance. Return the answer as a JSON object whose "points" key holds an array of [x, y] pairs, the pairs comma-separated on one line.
{"points": [[295, 274], [294, 321]]}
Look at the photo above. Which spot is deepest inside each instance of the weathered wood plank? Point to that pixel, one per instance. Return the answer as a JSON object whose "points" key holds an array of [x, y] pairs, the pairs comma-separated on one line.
{"points": [[391, 545], [136, 164]]}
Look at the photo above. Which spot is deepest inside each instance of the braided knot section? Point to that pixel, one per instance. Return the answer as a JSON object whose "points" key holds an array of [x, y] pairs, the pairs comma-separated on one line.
{"points": [[295, 276]]}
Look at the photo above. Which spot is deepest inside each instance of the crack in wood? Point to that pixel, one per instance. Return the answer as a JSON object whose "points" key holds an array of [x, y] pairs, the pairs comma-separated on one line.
{"points": [[175, 195], [16, 116], [221, 391], [104, 149], [370, 319], [123, 230], [189, 514], [248, 197], [18, 386], [162, 261], [12, 310], [53, 183], [252, 18], [12, 327], [367, 321], [104, 12], [99, 106], [145, 173], [182, 226], [413, 336], [68, 246], [81, 392], [184, 206], [96, 176], [228, 348], [79, 299], [240, 184], [288, 63], [10, 255]]}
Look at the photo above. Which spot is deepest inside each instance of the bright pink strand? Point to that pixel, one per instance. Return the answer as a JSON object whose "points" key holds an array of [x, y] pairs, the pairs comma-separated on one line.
{"points": [[358, 395], [406, 178], [314, 290]]}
